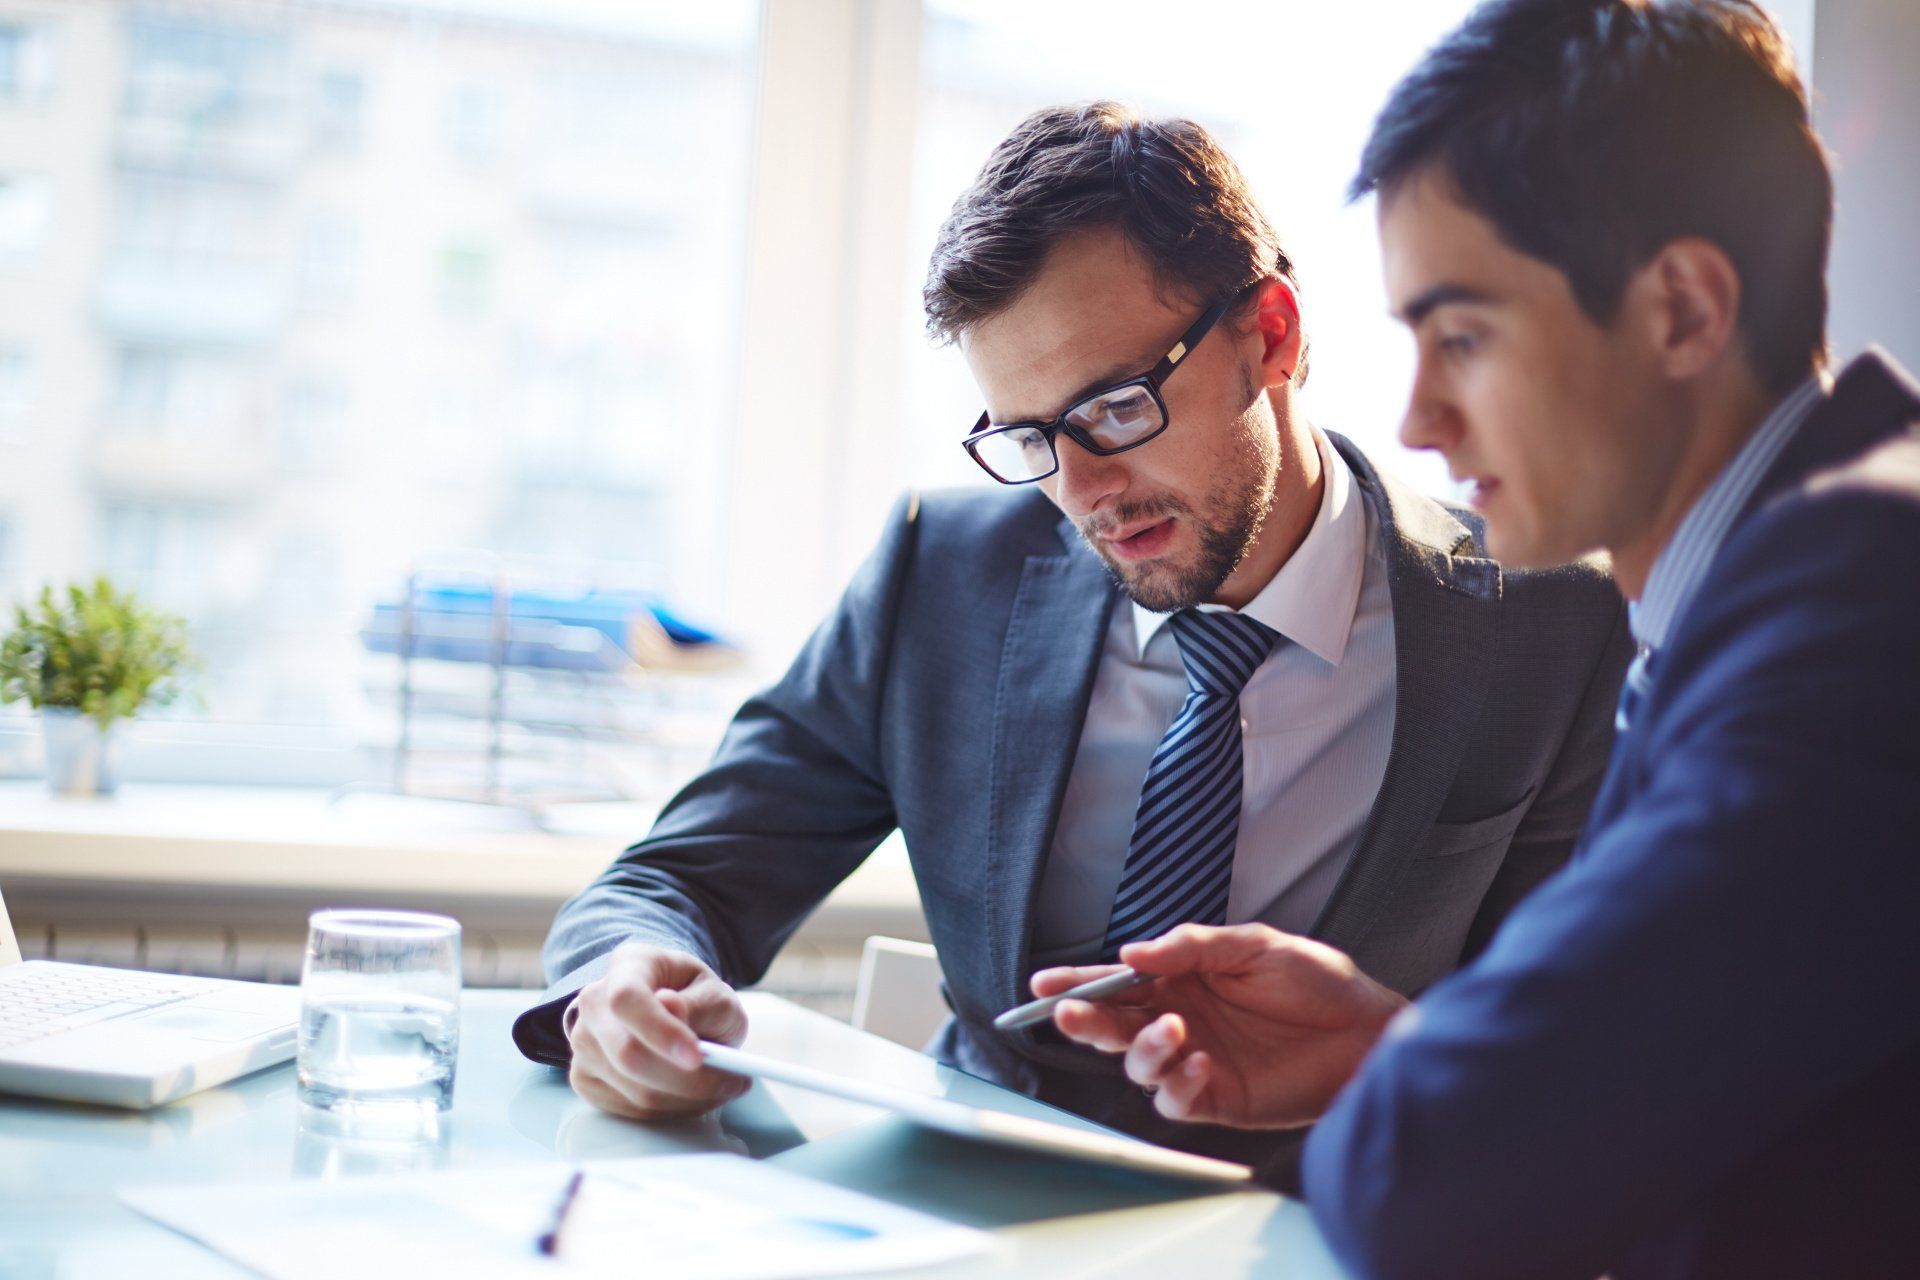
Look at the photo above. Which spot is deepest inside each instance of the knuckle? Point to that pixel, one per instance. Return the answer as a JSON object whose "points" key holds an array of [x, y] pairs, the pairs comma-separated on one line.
{"points": [[630, 1001]]}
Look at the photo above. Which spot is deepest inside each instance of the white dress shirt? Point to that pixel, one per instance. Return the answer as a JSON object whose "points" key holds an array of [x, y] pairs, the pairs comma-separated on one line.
{"points": [[1316, 724]]}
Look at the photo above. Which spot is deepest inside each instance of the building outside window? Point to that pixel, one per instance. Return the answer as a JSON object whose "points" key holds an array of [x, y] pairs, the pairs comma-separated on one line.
{"points": [[350, 288]]}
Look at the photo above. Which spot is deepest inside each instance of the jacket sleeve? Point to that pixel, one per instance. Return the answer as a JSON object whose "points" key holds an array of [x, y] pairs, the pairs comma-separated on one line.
{"points": [[794, 799], [1546, 836], [1729, 955]]}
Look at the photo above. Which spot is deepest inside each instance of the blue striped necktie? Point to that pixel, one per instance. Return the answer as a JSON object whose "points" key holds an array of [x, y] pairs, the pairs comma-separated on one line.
{"points": [[1634, 689], [1180, 861]]}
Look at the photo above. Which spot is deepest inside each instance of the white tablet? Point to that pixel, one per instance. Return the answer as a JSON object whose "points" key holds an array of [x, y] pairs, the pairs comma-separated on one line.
{"points": [[982, 1125]]}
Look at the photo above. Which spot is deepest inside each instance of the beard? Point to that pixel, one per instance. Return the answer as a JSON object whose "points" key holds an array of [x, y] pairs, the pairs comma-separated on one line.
{"points": [[1226, 535], [1227, 520]]}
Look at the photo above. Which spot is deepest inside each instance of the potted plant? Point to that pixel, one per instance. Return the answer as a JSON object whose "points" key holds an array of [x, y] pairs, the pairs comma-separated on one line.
{"points": [[88, 658]]}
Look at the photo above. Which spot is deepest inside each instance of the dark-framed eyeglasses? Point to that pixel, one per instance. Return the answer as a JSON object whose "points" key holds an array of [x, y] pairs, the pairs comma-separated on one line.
{"points": [[1121, 417]]}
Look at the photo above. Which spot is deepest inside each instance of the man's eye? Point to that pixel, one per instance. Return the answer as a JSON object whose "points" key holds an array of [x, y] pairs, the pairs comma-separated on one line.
{"points": [[1458, 344]]}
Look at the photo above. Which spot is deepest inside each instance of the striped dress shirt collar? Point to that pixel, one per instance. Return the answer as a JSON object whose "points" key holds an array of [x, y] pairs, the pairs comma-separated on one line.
{"points": [[1684, 561]]}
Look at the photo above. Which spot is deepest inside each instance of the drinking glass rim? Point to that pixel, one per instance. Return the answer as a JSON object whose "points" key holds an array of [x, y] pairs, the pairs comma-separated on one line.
{"points": [[375, 922]]}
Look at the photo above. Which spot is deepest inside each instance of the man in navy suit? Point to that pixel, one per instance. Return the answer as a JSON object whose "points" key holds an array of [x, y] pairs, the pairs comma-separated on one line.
{"points": [[1192, 658], [1696, 1051]]}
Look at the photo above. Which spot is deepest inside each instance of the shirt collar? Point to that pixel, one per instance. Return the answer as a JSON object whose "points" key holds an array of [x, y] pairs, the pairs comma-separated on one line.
{"points": [[1312, 599], [1684, 561]]}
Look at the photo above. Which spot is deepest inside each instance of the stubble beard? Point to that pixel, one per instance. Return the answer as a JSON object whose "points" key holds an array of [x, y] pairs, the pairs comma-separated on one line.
{"points": [[1229, 519]]}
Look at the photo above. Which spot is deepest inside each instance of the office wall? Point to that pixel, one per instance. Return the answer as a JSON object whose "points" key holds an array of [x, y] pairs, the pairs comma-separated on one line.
{"points": [[1866, 83]]}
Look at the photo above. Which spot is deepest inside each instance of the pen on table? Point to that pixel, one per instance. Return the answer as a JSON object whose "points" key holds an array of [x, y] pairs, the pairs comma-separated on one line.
{"points": [[549, 1241], [1040, 1010]]}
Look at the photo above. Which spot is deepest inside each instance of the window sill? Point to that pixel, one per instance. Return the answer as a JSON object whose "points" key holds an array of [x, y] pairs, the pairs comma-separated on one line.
{"points": [[195, 866]]}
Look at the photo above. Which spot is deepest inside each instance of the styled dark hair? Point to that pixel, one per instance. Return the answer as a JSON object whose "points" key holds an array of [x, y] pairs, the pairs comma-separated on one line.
{"points": [[1166, 184], [1592, 133]]}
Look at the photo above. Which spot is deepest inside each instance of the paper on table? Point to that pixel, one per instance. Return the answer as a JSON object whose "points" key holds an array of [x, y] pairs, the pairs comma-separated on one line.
{"points": [[699, 1217]]}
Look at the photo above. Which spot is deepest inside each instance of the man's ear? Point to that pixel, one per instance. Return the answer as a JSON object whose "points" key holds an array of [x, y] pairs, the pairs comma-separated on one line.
{"points": [[1689, 298], [1278, 315]]}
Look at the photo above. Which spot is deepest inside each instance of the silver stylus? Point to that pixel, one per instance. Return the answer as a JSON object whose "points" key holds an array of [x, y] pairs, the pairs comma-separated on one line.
{"points": [[1040, 1010]]}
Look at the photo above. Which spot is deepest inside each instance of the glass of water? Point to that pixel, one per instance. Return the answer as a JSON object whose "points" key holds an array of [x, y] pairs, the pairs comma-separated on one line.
{"points": [[379, 1012]]}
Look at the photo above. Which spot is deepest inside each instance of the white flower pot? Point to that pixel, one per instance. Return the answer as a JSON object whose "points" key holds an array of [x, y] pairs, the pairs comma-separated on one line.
{"points": [[82, 758]]}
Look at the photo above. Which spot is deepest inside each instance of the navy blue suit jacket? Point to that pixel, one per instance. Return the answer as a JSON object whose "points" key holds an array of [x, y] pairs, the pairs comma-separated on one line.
{"points": [[1696, 1051]]}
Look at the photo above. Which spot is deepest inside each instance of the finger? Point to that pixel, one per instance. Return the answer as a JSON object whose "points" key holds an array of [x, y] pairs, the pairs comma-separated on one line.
{"points": [[634, 1100], [666, 1033], [1107, 1028], [1156, 1051], [711, 1008], [633, 1060], [1051, 982], [1199, 948], [603, 1095], [1187, 1092], [649, 1082]]}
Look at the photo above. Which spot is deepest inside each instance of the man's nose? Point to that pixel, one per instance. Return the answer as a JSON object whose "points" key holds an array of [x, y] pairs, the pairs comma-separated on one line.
{"points": [[1085, 479], [1430, 421]]}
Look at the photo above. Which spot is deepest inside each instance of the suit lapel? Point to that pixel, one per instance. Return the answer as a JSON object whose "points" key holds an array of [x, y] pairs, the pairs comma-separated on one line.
{"points": [[1047, 666], [1445, 621], [1871, 400]]}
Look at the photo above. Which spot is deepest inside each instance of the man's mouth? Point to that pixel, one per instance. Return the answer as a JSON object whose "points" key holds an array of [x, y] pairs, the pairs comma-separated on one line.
{"points": [[1479, 490], [1140, 542]]}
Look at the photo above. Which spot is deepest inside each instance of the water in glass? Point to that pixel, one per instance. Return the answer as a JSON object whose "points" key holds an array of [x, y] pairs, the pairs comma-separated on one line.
{"points": [[380, 1013]]}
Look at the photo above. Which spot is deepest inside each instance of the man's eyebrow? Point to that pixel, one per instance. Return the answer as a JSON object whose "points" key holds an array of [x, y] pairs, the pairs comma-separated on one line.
{"points": [[1114, 373], [1438, 295]]}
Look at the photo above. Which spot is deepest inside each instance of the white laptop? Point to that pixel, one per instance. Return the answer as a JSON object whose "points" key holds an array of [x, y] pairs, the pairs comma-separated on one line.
{"points": [[130, 1039]]}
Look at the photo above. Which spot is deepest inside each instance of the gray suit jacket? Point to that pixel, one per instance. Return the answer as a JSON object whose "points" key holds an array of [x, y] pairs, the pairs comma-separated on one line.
{"points": [[944, 696]]}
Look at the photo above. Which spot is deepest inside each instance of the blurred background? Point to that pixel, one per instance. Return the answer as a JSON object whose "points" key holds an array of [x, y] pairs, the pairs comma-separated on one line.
{"points": [[327, 322], [297, 296]]}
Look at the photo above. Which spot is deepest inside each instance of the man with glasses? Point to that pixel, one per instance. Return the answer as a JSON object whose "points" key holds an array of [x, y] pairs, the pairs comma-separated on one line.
{"points": [[1193, 660]]}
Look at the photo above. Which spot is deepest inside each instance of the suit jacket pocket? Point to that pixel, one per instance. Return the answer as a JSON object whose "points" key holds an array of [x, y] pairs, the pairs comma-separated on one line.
{"points": [[1447, 838]]}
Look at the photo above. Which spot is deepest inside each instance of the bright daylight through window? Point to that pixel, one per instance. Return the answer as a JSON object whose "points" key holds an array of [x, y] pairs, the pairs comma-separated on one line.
{"points": [[301, 303]]}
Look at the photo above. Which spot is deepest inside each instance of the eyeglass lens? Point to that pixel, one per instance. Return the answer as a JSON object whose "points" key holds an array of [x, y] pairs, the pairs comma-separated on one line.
{"points": [[1114, 419]]}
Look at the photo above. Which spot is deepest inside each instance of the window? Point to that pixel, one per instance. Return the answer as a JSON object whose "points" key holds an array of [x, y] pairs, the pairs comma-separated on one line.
{"points": [[628, 287], [329, 262], [340, 99], [26, 200], [315, 353], [16, 393], [191, 221], [26, 62], [207, 80], [473, 122], [195, 400]]}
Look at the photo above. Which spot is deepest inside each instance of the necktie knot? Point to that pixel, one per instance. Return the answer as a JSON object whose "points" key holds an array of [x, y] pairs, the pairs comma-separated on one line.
{"points": [[1221, 650]]}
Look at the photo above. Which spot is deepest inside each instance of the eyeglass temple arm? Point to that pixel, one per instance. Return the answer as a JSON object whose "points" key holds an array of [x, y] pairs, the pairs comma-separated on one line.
{"points": [[1191, 338]]}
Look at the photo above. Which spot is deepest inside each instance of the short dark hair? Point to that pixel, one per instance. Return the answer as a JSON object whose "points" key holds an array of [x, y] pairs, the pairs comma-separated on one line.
{"points": [[1165, 184], [1592, 133]]}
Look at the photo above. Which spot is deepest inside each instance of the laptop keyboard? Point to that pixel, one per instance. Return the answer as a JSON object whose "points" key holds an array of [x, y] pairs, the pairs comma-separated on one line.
{"points": [[39, 1002]]}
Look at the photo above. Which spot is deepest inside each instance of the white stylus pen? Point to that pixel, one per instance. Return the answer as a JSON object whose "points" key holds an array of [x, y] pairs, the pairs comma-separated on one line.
{"points": [[1040, 1010]]}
